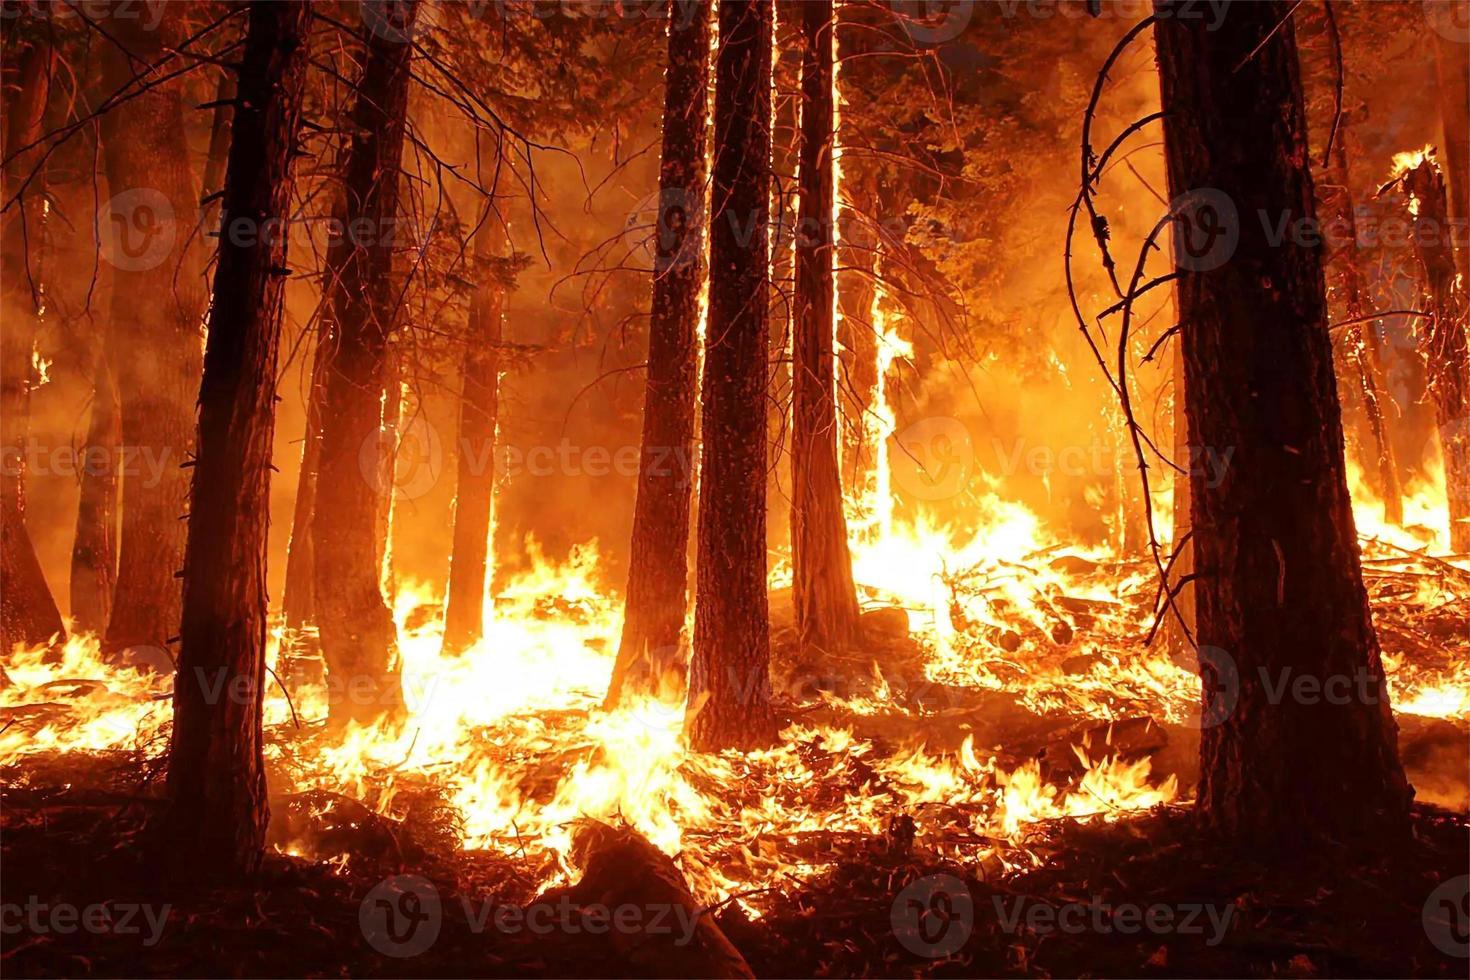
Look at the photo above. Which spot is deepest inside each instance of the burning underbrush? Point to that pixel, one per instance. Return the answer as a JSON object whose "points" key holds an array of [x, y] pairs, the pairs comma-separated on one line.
{"points": [[1004, 689]]}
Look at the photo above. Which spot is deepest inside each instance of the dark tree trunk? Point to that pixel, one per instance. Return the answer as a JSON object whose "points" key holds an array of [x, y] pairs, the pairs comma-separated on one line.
{"points": [[1442, 340], [1452, 68], [1279, 591], [298, 595], [216, 775], [28, 613], [729, 674], [157, 307], [653, 614], [358, 637], [474, 493], [1363, 349], [94, 549], [825, 597]]}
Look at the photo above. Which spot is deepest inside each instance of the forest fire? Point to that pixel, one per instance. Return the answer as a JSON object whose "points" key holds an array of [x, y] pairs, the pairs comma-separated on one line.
{"points": [[991, 568]]}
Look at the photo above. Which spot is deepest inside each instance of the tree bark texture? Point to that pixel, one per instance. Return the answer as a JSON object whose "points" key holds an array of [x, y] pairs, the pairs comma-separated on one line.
{"points": [[358, 637], [158, 306], [729, 676], [216, 775], [1279, 592], [824, 594], [653, 614]]}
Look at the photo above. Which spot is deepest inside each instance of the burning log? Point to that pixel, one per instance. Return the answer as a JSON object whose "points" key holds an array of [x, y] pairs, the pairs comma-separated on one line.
{"points": [[623, 870]]}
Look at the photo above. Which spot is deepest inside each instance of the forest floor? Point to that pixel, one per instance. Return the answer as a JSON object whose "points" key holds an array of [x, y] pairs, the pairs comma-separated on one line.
{"points": [[1150, 899], [924, 886]]}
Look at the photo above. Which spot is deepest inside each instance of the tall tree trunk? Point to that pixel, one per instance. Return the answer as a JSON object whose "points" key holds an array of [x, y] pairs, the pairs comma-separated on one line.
{"points": [[1452, 70], [1279, 592], [825, 597], [216, 775], [358, 636], [28, 613], [298, 595], [94, 549], [1442, 340], [1363, 349], [653, 614], [729, 675], [157, 307], [474, 493]]}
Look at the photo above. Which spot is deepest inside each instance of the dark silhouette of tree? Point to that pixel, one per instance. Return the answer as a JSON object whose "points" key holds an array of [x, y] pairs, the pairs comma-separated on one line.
{"points": [[653, 613], [1278, 591]]}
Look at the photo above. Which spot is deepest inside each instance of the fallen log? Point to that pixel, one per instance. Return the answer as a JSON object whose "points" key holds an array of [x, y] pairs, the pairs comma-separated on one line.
{"points": [[656, 924]]}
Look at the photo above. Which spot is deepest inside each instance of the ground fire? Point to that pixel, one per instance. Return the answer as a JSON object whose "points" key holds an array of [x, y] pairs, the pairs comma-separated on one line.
{"points": [[735, 488]]}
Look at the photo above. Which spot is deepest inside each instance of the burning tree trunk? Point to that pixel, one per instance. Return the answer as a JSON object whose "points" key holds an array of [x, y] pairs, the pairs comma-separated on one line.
{"points": [[28, 613], [1452, 68], [216, 776], [1442, 338], [825, 597], [729, 675], [653, 614], [1179, 642], [298, 595], [157, 307], [1279, 593], [479, 411], [1363, 348], [357, 632], [94, 549]]}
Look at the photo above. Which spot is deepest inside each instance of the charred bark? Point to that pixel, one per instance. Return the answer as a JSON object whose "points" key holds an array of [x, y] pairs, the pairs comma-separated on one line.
{"points": [[729, 676], [1279, 590], [824, 594], [28, 612], [157, 308], [1442, 339], [216, 775], [298, 594], [357, 632], [474, 493], [658, 572], [94, 548]]}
